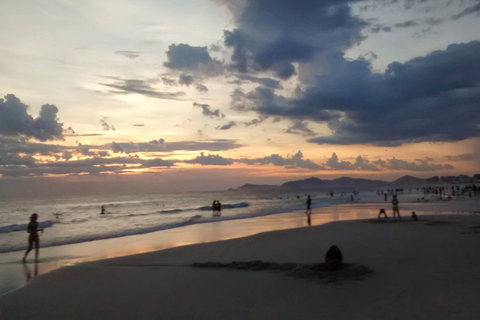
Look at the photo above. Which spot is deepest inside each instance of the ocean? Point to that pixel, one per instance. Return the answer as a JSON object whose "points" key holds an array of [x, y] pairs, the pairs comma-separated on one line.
{"points": [[77, 219]]}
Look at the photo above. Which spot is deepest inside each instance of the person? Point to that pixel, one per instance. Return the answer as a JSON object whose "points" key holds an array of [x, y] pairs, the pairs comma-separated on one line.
{"points": [[33, 237], [103, 210], [214, 208], [380, 213], [395, 207], [414, 216], [309, 210], [219, 208]]}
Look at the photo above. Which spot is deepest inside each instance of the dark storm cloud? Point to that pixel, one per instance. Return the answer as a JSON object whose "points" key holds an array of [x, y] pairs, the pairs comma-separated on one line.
{"points": [[20, 145], [184, 57], [432, 98], [14, 120], [209, 112], [266, 82], [129, 86], [129, 54], [272, 35], [185, 80], [464, 157], [301, 128]]}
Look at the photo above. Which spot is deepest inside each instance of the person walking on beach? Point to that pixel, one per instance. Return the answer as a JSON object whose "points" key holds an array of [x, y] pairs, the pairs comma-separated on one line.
{"points": [[395, 207], [33, 237], [219, 208], [309, 210]]}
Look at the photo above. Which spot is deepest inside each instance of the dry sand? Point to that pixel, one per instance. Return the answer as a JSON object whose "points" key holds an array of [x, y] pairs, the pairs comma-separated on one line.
{"points": [[422, 270]]}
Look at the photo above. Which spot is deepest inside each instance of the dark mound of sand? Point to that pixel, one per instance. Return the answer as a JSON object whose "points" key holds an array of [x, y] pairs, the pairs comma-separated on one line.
{"points": [[349, 271]]}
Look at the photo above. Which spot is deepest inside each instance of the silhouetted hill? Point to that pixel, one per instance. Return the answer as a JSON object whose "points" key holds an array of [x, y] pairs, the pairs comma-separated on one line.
{"points": [[409, 180], [337, 183], [306, 183], [250, 186]]}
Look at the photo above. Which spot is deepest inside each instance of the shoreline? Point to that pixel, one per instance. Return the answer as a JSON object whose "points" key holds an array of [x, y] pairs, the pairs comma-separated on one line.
{"points": [[56, 257], [416, 268]]}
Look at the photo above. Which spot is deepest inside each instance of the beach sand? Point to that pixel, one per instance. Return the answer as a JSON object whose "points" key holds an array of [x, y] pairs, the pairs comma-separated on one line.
{"points": [[423, 269]]}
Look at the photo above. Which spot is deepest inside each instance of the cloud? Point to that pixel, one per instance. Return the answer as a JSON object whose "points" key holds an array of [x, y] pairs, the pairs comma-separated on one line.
{"points": [[14, 120], [143, 87], [129, 54], [138, 125], [227, 126], [162, 146], [362, 164], [467, 11], [201, 88], [294, 161], [185, 80], [255, 122], [105, 125], [169, 81], [207, 111], [266, 82], [272, 35], [301, 128], [406, 24], [210, 160], [464, 157], [410, 102], [196, 60]]}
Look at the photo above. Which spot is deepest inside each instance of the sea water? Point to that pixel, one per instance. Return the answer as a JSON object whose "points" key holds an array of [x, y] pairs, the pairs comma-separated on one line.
{"points": [[76, 219]]}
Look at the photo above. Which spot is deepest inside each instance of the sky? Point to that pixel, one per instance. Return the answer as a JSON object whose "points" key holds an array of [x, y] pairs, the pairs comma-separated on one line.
{"points": [[209, 94]]}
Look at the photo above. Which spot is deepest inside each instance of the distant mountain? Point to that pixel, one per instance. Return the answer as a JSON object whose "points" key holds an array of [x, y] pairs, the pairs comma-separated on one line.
{"points": [[250, 186], [306, 183], [409, 180], [342, 182]]}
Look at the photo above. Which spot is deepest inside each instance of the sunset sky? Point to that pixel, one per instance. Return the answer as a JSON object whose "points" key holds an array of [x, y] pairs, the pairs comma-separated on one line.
{"points": [[210, 94]]}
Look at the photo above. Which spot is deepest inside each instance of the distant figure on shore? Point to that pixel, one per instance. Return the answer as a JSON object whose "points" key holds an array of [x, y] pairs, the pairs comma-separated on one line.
{"points": [[395, 207], [414, 216], [309, 210], [385, 196], [352, 198], [217, 208], [380, 213], [103, 210], [33, 237]]}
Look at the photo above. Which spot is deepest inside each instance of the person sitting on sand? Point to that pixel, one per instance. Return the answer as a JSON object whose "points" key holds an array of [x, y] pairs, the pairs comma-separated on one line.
{"points": [[380, 213], [395, 207], [33, 237], [414, 216]]}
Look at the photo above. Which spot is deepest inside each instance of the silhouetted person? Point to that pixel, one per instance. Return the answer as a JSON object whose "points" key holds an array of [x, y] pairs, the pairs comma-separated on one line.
{"points": [[103, 210], [395, 207], [414, 216], [385, 196], [33, 237], [309, 210], [214, 208], [219, 208], [380, 213], [333, 259]]}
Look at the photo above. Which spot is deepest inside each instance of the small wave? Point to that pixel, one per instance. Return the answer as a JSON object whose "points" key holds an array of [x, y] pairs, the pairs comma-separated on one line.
{"points": [[207, 208], [23, 227]]}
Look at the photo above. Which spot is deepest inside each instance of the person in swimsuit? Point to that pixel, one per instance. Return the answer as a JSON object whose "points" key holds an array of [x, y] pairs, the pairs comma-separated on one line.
{"points": [[33, 237]]}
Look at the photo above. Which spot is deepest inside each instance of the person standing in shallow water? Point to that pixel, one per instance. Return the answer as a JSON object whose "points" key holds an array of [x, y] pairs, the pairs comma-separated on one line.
{"points": [[309, 210], [33, 237], [395, 208]]}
